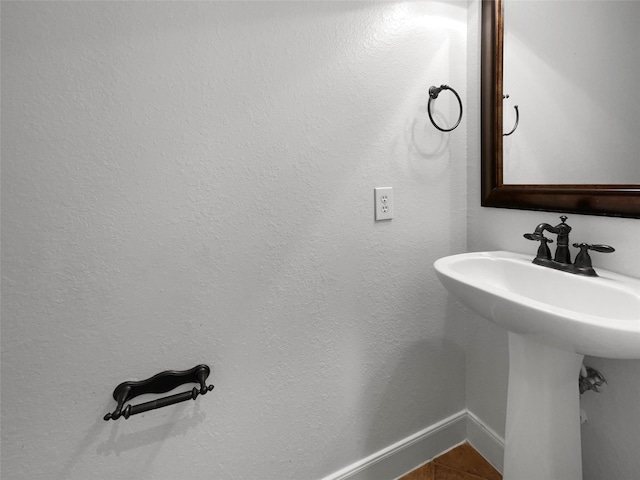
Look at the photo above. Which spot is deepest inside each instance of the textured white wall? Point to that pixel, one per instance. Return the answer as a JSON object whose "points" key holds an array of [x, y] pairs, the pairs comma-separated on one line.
{"points": [[193, 182], [611, 436]]}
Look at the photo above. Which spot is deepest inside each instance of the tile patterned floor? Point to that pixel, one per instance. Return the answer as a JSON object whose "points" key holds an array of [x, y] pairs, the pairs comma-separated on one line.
{"points": [[461, 463]]}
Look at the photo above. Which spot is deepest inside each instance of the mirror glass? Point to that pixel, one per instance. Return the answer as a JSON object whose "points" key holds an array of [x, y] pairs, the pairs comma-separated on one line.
{"points": [[573, 69]]}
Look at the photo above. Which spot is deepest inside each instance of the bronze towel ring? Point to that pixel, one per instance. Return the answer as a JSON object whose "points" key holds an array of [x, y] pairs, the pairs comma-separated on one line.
{"points": [[433, 94], [517, 119]]}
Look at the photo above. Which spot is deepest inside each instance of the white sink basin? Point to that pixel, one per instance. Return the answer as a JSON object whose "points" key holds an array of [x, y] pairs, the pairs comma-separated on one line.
{"points": [[554, 318], [598, 316]]}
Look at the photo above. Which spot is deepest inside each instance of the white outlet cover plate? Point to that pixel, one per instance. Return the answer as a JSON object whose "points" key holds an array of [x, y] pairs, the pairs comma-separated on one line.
{"points": [[383, 203]]}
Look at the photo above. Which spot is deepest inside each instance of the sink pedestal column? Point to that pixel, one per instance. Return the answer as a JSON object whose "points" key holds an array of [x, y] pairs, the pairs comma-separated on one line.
{"points": [[542, 438]]}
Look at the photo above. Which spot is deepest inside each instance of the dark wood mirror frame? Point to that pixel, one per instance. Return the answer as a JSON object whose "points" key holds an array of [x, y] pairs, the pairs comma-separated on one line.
{"points": [[610, 200]]}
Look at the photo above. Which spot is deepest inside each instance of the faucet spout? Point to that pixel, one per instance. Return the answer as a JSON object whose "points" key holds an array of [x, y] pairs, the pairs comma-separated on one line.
{"points": [[544, 226], [563, 255]]}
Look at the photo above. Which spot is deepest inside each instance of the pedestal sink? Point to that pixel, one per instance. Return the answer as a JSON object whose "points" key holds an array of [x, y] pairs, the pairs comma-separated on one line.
{"points": [[554, 318]]}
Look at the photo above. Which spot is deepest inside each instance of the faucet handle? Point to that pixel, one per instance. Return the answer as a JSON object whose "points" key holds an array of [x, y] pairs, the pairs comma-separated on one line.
{"points": [[537, 237], [601, 248], [543, 250], [583, 259]]}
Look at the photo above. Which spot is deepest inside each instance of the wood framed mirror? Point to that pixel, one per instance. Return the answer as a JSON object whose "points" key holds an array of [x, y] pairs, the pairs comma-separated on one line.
{"points": [[621, 200]]}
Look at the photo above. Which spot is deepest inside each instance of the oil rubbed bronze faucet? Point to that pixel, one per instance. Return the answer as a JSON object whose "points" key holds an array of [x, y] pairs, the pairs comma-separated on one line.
{"points": [[562, 257]]}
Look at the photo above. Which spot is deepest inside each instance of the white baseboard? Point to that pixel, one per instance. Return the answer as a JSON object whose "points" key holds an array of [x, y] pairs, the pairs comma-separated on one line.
{"points": [[411, 452], [486, 441]]}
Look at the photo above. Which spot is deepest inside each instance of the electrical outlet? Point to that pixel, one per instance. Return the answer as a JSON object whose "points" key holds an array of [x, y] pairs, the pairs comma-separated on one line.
{"points": [[384, 203]]}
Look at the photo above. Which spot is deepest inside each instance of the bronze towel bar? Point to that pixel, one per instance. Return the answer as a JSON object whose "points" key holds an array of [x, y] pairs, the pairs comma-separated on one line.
{"points": [[159, 383]]}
